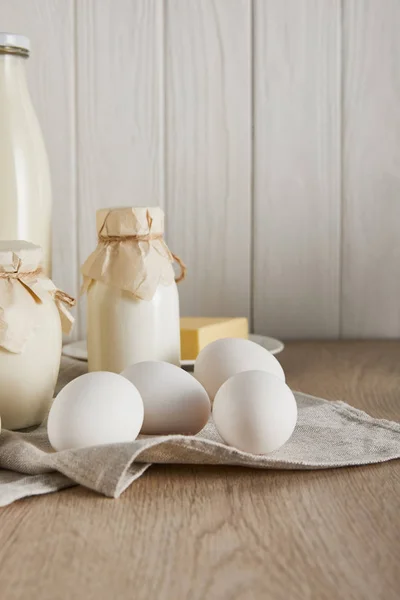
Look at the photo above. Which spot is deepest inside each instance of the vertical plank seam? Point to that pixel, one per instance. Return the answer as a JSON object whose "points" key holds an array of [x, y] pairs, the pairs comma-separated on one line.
{"points": [[161, 7], [76, 162], [341, 165], [252, 9]]}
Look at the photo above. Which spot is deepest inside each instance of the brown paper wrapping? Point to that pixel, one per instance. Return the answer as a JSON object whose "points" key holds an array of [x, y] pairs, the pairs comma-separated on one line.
{"points": [[20, 266], [131, 254]]}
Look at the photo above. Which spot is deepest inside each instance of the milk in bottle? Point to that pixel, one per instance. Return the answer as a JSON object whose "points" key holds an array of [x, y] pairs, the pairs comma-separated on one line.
{"points": [[25, 193]]}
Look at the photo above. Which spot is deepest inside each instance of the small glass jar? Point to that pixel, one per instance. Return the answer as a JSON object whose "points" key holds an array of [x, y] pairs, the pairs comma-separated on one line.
{"points": [[30, 335], [133, 303]]}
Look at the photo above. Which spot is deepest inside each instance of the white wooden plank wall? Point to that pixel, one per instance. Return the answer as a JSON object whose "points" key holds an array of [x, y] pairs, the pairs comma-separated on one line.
{"points": [[297, 168], [371, 165], [269, 130], [208, 151]]}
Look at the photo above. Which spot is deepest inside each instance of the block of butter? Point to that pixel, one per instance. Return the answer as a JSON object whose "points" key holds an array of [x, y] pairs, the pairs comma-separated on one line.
{"points": [[197, 332]]}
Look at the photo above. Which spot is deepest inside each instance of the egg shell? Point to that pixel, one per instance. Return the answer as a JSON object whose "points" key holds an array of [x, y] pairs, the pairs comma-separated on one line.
{"points": [[223, 358], [255, 412], [174, 402], [94, 409]]}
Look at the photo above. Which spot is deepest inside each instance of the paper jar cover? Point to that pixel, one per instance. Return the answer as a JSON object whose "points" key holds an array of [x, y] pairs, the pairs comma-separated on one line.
{"points": [[131, 254], [20, 269]]}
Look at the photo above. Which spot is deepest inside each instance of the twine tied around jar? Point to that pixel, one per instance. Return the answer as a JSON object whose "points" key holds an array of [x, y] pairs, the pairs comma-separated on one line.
{"points": [[21, 274], [59, 295], [148, 237], [16, 326], [131, 253]]}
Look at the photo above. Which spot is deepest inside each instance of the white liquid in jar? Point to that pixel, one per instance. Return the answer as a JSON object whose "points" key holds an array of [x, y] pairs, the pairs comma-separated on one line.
{"points": [[123, 330], [28, 379], [25, 191]]}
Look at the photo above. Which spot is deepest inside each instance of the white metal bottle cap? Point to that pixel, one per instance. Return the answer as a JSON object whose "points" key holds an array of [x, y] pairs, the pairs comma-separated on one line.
{"points": [[13, 40]]}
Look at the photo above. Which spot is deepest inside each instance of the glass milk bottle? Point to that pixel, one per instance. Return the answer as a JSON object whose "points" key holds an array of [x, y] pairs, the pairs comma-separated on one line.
{"points": [[133, 304], [32, 318], [25, 192]]}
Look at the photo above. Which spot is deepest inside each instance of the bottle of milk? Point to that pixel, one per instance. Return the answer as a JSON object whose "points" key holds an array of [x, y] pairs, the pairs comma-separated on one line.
{"points": [[25, 192], [133, 303]]}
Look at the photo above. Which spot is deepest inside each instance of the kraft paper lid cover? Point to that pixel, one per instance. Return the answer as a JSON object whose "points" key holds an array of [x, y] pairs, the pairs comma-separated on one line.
{"points": [[21, 270], [128, 221], [131, 253]]}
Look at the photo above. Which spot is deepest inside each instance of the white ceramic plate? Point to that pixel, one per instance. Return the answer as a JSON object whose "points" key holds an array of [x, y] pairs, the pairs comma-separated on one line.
{"points": [[78, 349]]}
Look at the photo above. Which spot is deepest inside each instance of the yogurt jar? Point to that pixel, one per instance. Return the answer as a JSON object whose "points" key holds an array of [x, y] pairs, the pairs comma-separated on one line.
{"points": [[133, 303], [33, 315]]}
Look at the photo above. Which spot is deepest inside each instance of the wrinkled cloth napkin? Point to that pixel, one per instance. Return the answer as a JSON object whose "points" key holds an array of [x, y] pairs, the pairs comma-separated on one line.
{"points": [[327, 435]]}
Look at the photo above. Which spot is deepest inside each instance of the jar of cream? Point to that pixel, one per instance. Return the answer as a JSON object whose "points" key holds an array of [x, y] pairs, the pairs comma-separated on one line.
{"points": [[33, 315]]}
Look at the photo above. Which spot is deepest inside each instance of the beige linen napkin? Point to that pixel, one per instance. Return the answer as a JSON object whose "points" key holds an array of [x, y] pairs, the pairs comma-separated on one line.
{"points": [[327, 435]]}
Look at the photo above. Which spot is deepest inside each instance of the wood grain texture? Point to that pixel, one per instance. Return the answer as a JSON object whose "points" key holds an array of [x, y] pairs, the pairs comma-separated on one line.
{"points": [[227, 533], [371, 243], [49, 24], [208, 151], [119, 110], [297, 168]]}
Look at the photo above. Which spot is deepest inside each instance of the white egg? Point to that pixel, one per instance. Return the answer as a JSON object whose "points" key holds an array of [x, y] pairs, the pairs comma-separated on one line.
{"points": [[223, 358], [94, 409], [255, 411], [174, 402]]}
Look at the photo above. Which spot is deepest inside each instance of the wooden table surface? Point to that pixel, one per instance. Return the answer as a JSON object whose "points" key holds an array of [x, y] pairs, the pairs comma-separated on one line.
{"points": [[195, 533]]}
